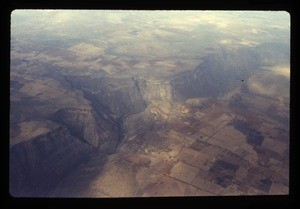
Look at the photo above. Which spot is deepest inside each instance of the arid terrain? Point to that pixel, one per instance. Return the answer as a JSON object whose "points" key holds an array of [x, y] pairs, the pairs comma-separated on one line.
{"points": [[149, 103]]}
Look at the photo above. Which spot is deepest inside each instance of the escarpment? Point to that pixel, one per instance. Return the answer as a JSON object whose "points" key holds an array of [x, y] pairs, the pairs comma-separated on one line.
{"points": [[97, 114], [116, 96], [216, 75], [40, 163]]}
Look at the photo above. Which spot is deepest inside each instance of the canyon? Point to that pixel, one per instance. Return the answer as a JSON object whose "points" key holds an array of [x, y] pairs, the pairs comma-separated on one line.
{"points": [[86, 122], [97, 115]]}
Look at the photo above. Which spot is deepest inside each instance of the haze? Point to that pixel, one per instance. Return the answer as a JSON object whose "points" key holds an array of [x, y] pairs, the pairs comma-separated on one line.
{"points": [[128, 103]]}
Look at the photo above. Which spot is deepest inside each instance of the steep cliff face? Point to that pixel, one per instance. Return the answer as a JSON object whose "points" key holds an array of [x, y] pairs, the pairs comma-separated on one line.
{"points": [[216, 75], [88, 127], [155, 90], [116, 96], [158, 96], [38, 164]]}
